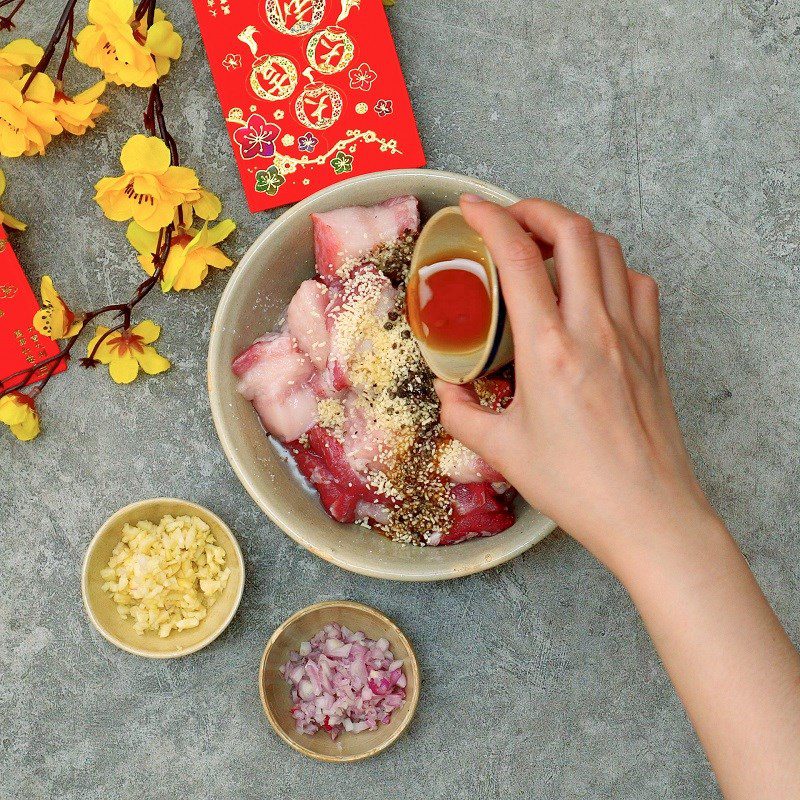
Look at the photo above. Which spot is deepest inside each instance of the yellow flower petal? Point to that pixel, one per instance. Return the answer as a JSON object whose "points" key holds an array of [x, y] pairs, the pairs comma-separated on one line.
{"points": [[15, 55], [12, 222], [123, 369], [148, 330], [103, 354], [54, 319], [191, 274], [151, 361], [144, 242], [6, 219], [221, 231], [41, 90], [147, 264], [145, 154], [19, 413], [155, 218], [181, 179], [163, 40], [209, 206]]}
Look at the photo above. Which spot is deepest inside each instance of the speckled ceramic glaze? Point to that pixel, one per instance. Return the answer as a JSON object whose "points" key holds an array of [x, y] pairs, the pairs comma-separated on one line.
{"points": [[254, 299]]}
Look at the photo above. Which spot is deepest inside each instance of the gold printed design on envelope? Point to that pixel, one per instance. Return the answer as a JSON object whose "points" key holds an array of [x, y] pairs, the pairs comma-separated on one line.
{"points": [[318, 105], [273, 77], [330, 50], [347, 7], [295, 17]]}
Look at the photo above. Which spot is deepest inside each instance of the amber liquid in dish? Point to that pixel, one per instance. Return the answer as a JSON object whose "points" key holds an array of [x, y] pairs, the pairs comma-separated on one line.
{"points": [[449, 307]]}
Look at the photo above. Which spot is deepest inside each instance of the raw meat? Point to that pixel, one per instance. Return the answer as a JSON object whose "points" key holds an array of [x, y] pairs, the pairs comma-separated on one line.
{"points": [[274, 376], [307, 321], [471, 468], [351, 233], [286, 374]]}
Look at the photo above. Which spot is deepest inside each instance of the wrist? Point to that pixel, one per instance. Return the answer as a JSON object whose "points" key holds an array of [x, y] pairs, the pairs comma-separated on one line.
{"points": [[683, 540]]}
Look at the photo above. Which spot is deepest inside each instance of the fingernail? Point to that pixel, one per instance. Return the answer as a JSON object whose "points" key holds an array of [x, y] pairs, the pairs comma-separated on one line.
{"points": [[471, 198]]}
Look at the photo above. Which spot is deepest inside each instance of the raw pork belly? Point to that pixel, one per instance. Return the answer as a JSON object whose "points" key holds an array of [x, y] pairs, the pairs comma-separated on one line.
{"points": [[287, 374]]}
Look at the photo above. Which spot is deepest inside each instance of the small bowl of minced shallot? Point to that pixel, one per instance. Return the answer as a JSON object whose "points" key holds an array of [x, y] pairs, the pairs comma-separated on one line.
{"points": [[339, 681]]}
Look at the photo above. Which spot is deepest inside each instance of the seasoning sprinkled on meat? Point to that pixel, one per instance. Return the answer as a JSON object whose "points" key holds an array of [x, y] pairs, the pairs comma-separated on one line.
{"points": [[372, 444]]}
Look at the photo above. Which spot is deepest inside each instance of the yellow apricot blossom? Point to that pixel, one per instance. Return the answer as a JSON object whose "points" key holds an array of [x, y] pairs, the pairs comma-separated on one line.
{"points": [[208, 206], [191, 253], [126, 352], [125, 49], [6, 219], [27, 124], [55, 319], [151, 189], [16, 55], [18, 411], [77, 114]]}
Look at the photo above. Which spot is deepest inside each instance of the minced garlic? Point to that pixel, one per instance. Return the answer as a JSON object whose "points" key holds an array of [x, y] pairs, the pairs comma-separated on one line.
{"points": [[165, 577]]}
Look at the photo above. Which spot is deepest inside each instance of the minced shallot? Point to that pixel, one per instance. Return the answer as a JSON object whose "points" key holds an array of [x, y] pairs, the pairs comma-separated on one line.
{"points": [[343, 681]]}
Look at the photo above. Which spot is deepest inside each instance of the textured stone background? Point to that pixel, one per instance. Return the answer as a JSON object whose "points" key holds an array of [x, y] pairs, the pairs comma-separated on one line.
{"points": [[673, 125]]}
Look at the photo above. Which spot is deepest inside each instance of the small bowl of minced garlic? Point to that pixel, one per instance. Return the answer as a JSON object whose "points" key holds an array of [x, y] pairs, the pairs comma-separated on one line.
{"points": [[162, 578]]}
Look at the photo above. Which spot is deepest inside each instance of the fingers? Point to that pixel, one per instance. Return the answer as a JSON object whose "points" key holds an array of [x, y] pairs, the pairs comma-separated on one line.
{"points": [[463, 417], [526, 288], [575, 253], [644, 307], [614, 277]]}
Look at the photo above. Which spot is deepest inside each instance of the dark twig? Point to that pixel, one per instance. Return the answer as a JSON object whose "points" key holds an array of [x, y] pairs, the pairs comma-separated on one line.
{"points": [[7, 20], [64, 20], [67, 47]]}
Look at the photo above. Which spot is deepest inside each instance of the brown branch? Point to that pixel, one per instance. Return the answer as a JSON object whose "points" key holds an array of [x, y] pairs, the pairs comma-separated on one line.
{"points": [[61, 26], [7, 20], [65, 55]]}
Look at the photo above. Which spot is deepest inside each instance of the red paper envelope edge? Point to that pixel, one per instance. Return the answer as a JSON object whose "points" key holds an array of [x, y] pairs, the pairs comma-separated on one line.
{"points": [[21, 345], [270, 83]]}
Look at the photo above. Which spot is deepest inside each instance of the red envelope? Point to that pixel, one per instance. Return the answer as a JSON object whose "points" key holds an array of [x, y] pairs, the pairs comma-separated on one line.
{"points": [[311, 91], [21, 345]]}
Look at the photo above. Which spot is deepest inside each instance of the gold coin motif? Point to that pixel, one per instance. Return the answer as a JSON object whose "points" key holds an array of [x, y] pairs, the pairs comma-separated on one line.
{"points": [[318, 106], [330, 50], [273, 77], [295, 17], [362, 108]]}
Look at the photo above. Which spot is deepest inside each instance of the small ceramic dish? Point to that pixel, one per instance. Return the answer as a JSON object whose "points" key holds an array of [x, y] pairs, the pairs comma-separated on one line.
{"points": [[276, 694], [254, 300], [102, 610], [445, 232]]}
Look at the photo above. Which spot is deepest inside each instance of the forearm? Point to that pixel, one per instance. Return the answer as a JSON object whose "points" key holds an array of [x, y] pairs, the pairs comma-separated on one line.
{"points": [[732, 664]]}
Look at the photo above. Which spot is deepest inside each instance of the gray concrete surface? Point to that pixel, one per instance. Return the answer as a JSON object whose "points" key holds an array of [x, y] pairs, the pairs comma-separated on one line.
{"points": [[675, 126]]}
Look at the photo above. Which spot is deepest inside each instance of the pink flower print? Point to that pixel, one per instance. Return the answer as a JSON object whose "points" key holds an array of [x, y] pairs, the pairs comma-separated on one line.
{"points": [[361, 77], [256, 137]]}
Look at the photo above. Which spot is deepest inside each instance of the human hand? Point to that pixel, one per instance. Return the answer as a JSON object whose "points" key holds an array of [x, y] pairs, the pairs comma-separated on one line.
{"points": [[591, 437]]}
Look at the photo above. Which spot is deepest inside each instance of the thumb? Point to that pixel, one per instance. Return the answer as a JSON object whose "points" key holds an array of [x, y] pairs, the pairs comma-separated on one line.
{"points": [[463, 417]]}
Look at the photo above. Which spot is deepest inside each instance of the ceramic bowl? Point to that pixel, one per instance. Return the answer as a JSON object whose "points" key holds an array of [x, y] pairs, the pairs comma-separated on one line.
{"points": [[103, 612], [444, 233], [254, 300], [276, 694]]}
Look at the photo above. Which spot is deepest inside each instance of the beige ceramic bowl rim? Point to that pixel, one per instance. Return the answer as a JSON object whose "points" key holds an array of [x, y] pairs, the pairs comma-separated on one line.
{"points": [[107, 526], [412, 696], [290, 526]]}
